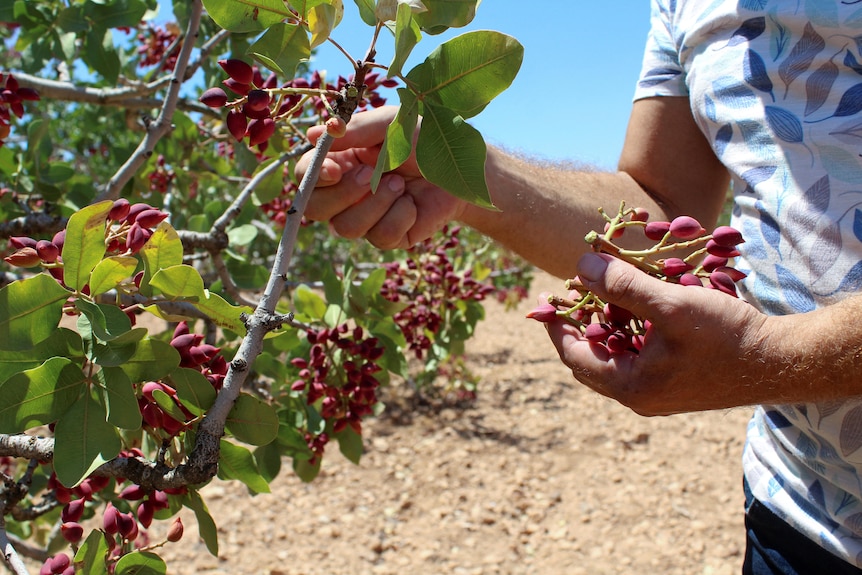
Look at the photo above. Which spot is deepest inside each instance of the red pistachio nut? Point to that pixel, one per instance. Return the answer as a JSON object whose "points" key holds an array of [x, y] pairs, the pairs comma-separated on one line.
{"points": [[24, 258], [686, 228], [727, 236], [175, 531], [214, 98], [722, 282], [598, 332], [237, 124], [656, 231], [544, 313], [238, 70], [675, 266]]}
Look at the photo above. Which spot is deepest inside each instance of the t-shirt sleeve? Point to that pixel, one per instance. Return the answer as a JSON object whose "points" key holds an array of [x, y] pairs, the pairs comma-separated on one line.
{"points": [[661, 73]]}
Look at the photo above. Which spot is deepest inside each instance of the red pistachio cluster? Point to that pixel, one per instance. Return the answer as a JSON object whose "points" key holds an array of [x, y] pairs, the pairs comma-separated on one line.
{"points": [[159, 46], [123, 530], [339, 377], [684, 253], [260, 103], [59, 564], [129, 228], [162, 176], [12, 98], [428, 283], [195, 354]]}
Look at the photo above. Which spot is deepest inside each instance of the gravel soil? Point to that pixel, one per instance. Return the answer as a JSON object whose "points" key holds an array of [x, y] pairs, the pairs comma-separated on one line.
{"points": [[538, 476]]}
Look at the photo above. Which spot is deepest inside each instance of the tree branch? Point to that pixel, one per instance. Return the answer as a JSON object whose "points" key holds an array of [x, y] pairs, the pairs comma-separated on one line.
{"points": [[10, 556], [131, 97], [161, 125]]}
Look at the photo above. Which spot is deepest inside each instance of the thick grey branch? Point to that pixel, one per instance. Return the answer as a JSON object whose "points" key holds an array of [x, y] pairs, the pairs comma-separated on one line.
{"points": [[131, 97], [35, 224]]}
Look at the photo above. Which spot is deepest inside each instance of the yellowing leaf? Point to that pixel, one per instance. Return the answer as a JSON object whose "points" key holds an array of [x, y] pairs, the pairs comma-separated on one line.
{"points": [[322, 20]]}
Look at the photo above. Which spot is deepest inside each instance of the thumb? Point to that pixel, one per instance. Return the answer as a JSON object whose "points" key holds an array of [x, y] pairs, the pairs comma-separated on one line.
{"points": [[365, 129], [616, 281]]}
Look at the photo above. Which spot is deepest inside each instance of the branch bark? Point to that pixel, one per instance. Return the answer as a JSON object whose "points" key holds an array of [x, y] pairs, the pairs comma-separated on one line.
{"points": [[161, 125]]}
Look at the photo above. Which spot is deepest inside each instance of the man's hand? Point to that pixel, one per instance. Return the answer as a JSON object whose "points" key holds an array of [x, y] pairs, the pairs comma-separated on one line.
{"points": [[404, 210], [702, 351]]}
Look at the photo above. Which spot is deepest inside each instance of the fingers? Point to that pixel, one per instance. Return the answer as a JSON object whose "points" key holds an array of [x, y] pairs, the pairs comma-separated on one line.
{"points": [[369, 211], [623, 284]]}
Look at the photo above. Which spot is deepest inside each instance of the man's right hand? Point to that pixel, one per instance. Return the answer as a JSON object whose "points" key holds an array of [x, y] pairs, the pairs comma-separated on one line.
{"points": [[404, 210]]}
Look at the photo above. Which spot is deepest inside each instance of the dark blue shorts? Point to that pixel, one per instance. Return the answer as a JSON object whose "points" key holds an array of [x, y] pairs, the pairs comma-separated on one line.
{"points": [[773, 547]]}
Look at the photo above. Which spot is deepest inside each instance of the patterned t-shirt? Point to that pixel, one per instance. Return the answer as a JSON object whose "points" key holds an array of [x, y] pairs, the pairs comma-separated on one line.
{"points": [[776, 87]]}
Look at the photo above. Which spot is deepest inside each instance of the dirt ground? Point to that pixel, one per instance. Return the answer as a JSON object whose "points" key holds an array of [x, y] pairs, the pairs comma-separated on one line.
{"points": [[539, 476]]}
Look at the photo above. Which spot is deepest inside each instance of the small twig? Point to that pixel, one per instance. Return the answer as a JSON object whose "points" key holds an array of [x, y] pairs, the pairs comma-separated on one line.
{"points": [[27, 550], [10, 555], [161, 125], [227, 281]]}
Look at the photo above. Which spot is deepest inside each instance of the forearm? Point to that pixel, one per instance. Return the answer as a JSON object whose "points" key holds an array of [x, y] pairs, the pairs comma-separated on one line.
{"points": [[815, 356], [545, 210], [666, 167]]}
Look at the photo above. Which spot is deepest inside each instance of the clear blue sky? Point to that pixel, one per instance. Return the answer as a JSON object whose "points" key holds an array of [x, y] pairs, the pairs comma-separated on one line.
{"points": [[572, 97]]}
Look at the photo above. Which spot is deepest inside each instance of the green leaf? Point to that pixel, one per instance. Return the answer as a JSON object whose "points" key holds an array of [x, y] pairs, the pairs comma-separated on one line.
{"points": [[407, 35], [281, 48], [91, 555], [84, 246], [468, 71], [110, 323], [168, 405], [366, 11], [119, 398], [350, 444], [184, 283], [242, 235], [39, 396], [152, 360], [206, 526], [268, 458], [56, 173], [61, 343], [115, 14], [100, 54], [109, 272], [443, 14], [322, 20], [252, 420], [306, 470], [246, 15], [247, 275], [140, 563], [164, 249], [451, 154], [308, 304], [237, 462], [83, 441], [72, 20], [398, 143], [30, 311], [193, 389], [179, 282]]}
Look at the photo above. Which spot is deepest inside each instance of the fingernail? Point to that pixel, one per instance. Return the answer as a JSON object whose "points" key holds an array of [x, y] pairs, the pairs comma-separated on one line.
{"points": [[363, 176], [395, 184], [592, 267]]}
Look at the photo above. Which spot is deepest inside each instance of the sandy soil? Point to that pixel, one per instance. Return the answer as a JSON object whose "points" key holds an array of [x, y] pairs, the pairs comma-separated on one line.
{"points": [[539, 476]]}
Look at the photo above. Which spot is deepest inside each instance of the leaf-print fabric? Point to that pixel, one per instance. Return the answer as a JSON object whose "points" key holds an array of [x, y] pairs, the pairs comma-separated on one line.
{"points": [[776, 87]]}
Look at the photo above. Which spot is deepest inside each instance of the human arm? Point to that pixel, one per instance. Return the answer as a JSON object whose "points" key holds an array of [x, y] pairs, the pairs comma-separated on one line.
{"points": [[545, 210], [706, 350]]}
